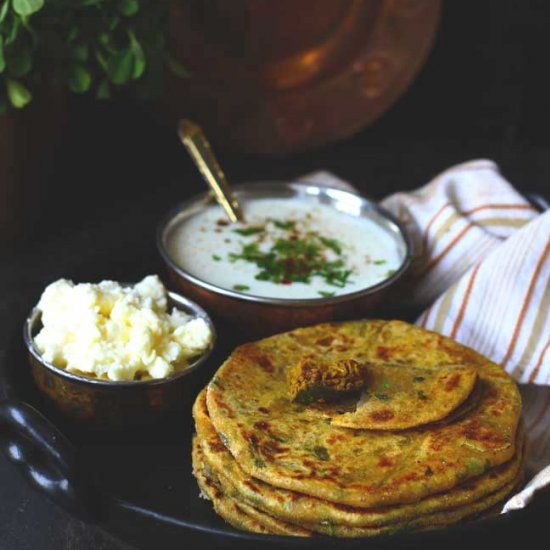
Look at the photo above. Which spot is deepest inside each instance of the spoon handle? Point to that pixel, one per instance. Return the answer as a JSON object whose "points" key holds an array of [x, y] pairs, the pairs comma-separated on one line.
{"points": [[195, 141]]}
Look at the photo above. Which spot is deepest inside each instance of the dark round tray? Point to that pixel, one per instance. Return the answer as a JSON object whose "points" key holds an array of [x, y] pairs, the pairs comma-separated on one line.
{"points": [[138, 483]]}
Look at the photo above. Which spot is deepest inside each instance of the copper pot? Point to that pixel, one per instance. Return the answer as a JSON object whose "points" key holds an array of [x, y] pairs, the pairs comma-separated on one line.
{"points": [[278, 77], [261, 316]]}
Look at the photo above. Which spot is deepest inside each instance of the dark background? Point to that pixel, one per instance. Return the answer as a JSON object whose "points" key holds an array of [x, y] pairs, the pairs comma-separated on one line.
{"points": [[483, 93]]}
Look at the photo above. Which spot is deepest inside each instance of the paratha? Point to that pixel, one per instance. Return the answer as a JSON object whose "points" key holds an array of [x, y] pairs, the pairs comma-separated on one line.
{"points": [[304, 509], [282, 443], [244, 515], [239, 514], [399, 397]]}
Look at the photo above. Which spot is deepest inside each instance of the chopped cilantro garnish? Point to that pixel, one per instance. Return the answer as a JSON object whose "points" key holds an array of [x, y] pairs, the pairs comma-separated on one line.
{"points": [[379, 262], [296, 260], [333, 244], [288, 224], [252, 230], [390, 272], [216, 258], [241, 287], [326, 294]]}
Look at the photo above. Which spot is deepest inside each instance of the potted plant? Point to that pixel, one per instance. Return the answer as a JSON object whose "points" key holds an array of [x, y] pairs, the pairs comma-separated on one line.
{"points": [[50, 47]]}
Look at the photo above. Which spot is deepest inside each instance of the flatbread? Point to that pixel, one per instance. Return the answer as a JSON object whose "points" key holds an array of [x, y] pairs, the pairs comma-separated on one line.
{"points": [[398, 397], [238, 514], [282, 444], [243, 515], [304, 509]]}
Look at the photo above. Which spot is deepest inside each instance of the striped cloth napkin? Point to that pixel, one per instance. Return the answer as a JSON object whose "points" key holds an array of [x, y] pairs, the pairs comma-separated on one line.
{"points": [[481, 275], [482, 264]]}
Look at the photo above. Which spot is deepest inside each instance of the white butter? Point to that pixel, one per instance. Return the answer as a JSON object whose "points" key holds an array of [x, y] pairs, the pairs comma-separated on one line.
{"points": [[113, 332]]}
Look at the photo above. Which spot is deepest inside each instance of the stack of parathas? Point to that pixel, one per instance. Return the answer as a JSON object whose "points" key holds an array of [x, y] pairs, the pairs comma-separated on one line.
{"points": [[433, 439]]}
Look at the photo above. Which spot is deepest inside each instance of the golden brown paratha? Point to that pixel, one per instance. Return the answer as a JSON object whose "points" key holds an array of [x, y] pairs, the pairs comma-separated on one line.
{"points": [[238, 514], [281, 443], [244, 515], [304, 509], [398, 397]]}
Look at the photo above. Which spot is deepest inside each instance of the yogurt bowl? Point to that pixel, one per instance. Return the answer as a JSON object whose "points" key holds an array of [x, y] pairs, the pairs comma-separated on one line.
{"points": [[307, 254]]}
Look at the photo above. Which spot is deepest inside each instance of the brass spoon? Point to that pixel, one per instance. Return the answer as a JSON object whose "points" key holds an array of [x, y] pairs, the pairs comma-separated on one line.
{"points": [[197, 145]]}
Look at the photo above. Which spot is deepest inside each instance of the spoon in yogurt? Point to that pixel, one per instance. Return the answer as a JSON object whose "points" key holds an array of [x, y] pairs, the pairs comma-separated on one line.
{"points": [[194, 139]]}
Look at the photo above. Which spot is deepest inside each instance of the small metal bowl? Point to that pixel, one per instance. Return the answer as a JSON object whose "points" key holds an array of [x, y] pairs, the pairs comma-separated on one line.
{"points": [[257, 315], [115, 404]]}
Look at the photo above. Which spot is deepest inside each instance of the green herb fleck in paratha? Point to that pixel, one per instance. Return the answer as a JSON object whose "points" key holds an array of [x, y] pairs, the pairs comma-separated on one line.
{"points": [[321, 452], [422, 395], [382, 396]]}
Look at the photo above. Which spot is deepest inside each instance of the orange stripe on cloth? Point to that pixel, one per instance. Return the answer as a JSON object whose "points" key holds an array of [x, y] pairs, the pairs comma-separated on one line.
{"points": [[424, 317], [525, 304], [539, 362], [460, 316], [499, 207], [429, 226], [447, 249]]}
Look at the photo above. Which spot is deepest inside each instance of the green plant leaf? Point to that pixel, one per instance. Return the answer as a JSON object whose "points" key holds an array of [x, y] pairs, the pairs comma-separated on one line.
{"points": [[27, 7], [128, 7], [80, 52], [73, 33], [120, 66], [13, 31], [139, 57], [103, 90], [4, 10], [18, 93], [79, 79], [2, 58], [3, 104], [113, 22], [176, 67]]}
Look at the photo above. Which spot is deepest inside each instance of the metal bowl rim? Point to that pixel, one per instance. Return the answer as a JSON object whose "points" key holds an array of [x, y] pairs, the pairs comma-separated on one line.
{"points": [[265, 300], [178, 301]]}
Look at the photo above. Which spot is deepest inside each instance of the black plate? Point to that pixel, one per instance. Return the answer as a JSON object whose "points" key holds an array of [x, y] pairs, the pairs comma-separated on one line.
{"points": [[139, 484]]}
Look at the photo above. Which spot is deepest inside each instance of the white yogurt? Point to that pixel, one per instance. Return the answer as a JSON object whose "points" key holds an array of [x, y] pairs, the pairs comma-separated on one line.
{"points": [[210, 249]]}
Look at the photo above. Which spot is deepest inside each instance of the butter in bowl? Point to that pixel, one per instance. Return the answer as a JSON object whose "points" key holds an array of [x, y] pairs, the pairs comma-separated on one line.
{"points": [[115, 355]]}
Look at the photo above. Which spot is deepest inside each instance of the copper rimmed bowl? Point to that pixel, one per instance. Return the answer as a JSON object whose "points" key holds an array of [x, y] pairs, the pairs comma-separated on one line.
{"points": [[257, 315], [110, 404]]}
